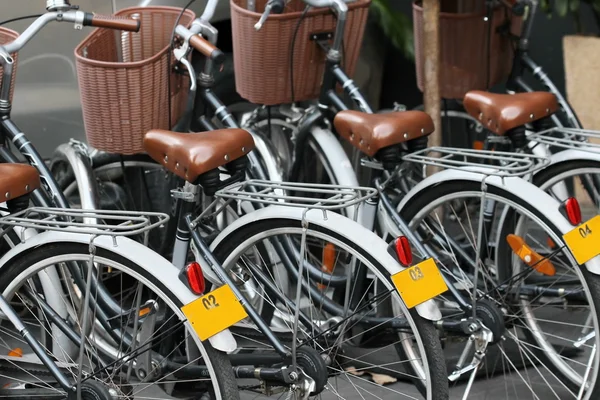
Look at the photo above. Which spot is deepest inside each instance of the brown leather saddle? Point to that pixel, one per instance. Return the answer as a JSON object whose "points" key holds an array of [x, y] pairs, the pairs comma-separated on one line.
{"points": [[372, 132], [502, 112], [189, 155], [17, 180]]}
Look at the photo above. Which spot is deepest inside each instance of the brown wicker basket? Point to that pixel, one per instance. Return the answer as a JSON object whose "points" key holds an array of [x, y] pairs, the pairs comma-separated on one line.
{"points": [[7, 36], [262, 59], [124, 80], [473, 56]]}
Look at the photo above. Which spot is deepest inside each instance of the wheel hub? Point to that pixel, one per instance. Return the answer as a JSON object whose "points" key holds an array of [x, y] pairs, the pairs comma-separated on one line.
{"points": [[491, 317]]}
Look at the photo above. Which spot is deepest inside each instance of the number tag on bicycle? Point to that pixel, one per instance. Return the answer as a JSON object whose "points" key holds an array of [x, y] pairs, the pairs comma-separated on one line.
{"points": [[419, 283], [584, 241], [214, 312]]}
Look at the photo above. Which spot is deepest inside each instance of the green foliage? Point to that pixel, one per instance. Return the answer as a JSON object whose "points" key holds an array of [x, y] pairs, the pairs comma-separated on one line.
{"points": [[571, 8], [395, 25]]}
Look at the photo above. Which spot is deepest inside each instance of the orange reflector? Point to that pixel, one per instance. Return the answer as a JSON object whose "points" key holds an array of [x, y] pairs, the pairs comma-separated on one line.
{"points": [[477, 145], [328, 261], [16, 352], [550, 243], [144, 311], [529, 256]]}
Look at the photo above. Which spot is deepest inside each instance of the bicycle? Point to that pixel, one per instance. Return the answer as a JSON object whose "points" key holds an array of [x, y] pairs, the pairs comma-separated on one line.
{"points": [[500, 191], [307, 379], [53, 349], [309, 127]]}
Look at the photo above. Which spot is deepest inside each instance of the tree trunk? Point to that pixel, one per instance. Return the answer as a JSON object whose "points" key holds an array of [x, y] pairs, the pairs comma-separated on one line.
{"points": [[431, 49]]}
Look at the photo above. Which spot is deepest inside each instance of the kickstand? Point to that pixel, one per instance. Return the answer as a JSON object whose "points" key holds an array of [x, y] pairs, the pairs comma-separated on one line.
{"points": [[471, 380]]}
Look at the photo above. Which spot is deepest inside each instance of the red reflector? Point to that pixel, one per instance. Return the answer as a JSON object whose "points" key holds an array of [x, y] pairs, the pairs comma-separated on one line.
{"points": [[573, 211], [403, 251], [195, 278]]}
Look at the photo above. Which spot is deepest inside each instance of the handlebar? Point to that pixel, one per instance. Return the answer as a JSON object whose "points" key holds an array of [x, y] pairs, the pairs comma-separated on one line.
{"points": [[79, 18], [517, 7], [111, 22], [207, 49], [339, 8], [202, 45], [275, 6]]}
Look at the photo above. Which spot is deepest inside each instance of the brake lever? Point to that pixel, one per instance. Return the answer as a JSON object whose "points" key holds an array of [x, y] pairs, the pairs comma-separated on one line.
{"points": [[181, 54]]}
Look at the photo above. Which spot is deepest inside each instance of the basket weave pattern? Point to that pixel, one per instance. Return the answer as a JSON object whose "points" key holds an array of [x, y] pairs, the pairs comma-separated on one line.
{"points": [[472, 56], [262, 59], [124, 80], [7, 36]]}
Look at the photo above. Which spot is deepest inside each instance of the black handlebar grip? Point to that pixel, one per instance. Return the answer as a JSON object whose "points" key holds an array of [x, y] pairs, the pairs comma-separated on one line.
{"points": [[207, 48], [277, 6], [519, 9], [218, 56]]}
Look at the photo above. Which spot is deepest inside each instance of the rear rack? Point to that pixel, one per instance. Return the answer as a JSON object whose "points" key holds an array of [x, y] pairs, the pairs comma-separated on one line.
{"points": [[568, 138], [109, 223], [291, 194], [487, 162]]}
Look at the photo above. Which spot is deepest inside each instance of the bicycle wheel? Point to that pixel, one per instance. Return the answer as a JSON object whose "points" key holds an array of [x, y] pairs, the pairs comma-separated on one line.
{"points": [[149, 350], [133, 182], [584, 173], [537, 319], [267, 251]]}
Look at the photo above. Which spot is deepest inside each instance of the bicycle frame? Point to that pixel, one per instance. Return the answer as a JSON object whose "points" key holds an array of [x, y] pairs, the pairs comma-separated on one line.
{"points": [[523, 62]]}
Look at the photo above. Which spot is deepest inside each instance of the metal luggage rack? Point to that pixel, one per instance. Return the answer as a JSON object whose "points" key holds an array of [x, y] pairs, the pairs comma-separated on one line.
{"points": [[487, 162], [568, 138], [290, 194], [109, 223]]}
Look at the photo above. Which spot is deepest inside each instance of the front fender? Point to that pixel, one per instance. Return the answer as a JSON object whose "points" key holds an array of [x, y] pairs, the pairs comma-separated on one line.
{"points": [[157, 266], [527, 192], [340, 225]]}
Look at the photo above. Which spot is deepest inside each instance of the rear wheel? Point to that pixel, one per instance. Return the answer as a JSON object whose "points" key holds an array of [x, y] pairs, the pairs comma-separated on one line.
{"points": [[116, 361], [541, 317], [356, 353]]}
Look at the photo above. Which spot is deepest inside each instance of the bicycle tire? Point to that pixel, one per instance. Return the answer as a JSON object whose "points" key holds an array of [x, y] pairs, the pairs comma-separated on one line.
{"points": [[425, 328], [426, 197], [18, 266]]}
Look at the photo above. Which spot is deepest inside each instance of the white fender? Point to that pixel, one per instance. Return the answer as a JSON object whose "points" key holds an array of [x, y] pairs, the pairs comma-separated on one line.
{"points": [[572, 154], [341, 166], [156, 265], [340, 225], [520, 188]]}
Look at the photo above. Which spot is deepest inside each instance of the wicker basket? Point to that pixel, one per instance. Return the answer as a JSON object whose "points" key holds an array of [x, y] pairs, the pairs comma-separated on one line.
{"points": [[262, 59], [7, 36], [474, 55], [124, 80]]}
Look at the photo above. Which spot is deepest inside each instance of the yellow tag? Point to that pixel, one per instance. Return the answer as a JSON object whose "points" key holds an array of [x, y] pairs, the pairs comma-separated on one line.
{"points": [[584, 241], [214, 312], [419, 283]]}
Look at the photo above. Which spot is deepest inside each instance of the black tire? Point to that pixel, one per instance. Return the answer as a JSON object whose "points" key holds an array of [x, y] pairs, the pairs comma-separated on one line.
{"points": [[221, 365], [425, 198], [135, 190], [550, 172], [428, 333]]}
